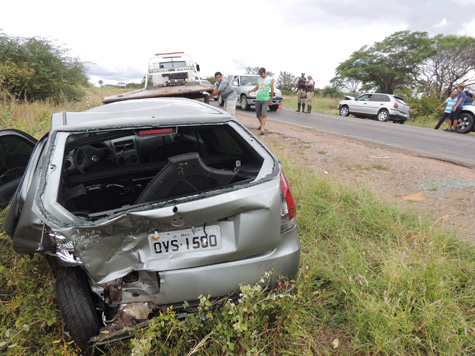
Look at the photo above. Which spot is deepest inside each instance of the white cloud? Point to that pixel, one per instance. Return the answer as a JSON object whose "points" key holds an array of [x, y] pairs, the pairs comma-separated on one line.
{"points": [[310, 36], [441, 23]]}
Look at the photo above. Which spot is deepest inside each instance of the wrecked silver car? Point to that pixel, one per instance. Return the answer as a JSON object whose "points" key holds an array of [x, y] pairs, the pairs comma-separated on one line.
{"points": [[148, 203]]}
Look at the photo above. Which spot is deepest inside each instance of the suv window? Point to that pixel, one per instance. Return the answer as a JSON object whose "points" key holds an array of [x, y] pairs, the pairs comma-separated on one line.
{"points": [[365, 97], [380, 97]]}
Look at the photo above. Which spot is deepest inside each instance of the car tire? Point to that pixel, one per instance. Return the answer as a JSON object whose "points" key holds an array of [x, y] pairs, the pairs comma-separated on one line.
{"points": [[244, 105], [76, 306], [344, 111], [220, 100], [273, 107], [383, 115], [465, 123]]}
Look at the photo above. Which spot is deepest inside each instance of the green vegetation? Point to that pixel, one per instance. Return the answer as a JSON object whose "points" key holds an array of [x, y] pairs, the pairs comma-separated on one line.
{"points": [[37, 69], [374, 280], [321, 103], [428, 66]]}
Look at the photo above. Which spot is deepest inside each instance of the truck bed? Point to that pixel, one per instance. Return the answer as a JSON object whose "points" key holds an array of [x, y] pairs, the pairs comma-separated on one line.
{"points": [[192, 91]]}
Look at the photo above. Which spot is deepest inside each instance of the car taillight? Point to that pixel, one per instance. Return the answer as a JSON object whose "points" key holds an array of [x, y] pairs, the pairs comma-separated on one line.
{"points": [[288, 211], [395, 106]]}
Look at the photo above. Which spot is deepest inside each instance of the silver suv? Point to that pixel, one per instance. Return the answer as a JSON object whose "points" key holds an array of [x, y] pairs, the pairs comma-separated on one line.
{"points": [[384, 107], [242, 84]]}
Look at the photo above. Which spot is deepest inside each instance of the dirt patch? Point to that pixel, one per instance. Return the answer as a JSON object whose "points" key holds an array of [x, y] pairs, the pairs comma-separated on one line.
{"points": [[440, 191]]}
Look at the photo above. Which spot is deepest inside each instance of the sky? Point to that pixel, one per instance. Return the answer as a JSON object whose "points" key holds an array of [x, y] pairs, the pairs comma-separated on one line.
{"points": [[117, 38]]}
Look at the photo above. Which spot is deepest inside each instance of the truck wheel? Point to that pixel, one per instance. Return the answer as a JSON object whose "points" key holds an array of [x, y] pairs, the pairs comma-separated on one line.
{"points": [[465, 123], [244, 105], [75, 303], [220, 100], [273, 107]]}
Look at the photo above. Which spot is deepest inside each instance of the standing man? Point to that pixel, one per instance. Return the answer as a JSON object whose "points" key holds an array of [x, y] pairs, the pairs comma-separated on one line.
{"points": [[227, 92], [265, 93], [456, 110], [310, 85], [301, 92], [450, 101]]}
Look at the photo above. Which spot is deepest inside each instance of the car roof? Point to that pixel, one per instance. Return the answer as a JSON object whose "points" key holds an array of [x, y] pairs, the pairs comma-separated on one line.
{"points": [[139, 113]]}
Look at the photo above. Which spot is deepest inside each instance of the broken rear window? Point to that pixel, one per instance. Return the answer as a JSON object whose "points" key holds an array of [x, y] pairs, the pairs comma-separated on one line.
{"points": [[111, 171]]}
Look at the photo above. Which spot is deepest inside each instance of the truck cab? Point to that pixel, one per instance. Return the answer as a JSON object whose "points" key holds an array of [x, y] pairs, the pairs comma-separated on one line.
{"points": [[171, 69]]}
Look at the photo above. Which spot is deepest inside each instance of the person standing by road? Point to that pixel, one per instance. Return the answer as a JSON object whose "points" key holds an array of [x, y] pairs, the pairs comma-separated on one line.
{"points": [[310, 87], [450, 101], [227, 92], [265, 93], [456, 110], [301, 91]]}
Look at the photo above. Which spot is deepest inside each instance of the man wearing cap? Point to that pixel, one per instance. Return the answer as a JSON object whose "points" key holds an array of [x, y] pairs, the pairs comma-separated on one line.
{"points": [[301, 91], [310, 85]]}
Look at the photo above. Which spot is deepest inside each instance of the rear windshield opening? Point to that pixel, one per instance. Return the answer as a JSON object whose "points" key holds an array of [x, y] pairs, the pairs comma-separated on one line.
{"points": [[110, 171]]}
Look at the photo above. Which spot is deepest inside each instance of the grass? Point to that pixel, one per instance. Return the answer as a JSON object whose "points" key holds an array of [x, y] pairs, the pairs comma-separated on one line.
{"points": [[374, 280], [320, 103]]}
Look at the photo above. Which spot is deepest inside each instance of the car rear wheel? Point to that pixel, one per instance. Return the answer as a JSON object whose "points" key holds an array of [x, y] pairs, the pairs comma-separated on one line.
{"points": [[465, 123], [220, 100], [383, 115], [344, 111], [244, 105], [75, 302]]}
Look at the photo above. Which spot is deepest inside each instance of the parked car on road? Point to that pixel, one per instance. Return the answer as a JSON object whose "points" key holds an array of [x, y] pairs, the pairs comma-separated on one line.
{"points": [[383, 107], [242, 84], [146, 203], [121, 85]]}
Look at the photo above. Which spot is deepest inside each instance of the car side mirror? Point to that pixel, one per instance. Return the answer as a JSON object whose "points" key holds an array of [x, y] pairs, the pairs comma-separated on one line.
{"points": [[197, 67]]}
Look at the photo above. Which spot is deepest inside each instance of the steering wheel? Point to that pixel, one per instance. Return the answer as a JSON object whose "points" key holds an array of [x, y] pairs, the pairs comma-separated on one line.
{"points": [[88, 156]]}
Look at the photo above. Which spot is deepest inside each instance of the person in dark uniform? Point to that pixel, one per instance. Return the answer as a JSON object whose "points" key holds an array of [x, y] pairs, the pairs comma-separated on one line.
{"points": [[301, 90]]}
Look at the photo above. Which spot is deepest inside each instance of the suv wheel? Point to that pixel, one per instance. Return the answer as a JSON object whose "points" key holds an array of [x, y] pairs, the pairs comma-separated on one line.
{"points": [[465, 123], [273, 107], [244, 105], [383, 115], [344, 111]]}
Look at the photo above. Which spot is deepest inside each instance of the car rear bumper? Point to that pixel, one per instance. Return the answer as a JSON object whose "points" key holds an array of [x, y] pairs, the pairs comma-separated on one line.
{"points": [[225, 278], [399, 115]]}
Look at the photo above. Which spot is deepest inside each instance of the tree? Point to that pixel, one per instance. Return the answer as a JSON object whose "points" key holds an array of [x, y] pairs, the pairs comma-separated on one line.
{"points": [[35, 68], [255, 71], [285, 81], [387, 65], [347, 85], [451, 65]]}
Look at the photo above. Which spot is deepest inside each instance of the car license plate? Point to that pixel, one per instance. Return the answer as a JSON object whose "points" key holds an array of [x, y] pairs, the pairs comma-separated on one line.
{"points": [[182, 241]]}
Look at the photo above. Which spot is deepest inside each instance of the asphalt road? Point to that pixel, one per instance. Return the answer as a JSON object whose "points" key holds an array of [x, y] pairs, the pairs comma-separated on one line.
{"points": [[425, 142]]}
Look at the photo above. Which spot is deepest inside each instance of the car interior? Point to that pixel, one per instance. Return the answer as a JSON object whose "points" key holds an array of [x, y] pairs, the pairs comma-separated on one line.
{"points": [[107, 172]]}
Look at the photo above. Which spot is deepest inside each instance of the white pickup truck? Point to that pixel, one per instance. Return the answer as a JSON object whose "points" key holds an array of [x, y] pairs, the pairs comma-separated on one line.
{"points": [[242, 84], [169, 74]]}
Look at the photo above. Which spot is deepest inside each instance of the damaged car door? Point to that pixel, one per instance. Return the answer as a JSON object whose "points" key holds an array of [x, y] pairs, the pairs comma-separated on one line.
{"points": [[15, 150]]}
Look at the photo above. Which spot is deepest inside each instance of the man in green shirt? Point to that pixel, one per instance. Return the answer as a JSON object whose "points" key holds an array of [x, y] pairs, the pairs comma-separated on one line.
{"points": [[265, 93]]}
